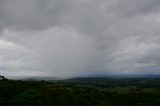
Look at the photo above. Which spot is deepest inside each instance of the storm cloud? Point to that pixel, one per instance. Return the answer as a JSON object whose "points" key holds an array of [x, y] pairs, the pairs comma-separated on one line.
{"points": [[79, 37]]}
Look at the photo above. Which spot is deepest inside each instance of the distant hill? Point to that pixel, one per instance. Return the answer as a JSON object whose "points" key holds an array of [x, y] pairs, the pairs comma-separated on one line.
{"points": [[137, 76], [123, 76], [49, 78]]}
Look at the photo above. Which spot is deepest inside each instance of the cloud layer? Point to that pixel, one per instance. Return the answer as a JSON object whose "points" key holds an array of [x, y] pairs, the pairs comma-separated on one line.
{"points": [[79, 37]]}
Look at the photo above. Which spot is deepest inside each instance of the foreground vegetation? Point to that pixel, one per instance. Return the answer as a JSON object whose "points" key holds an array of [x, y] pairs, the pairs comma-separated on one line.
{"points": [[81, 92]]}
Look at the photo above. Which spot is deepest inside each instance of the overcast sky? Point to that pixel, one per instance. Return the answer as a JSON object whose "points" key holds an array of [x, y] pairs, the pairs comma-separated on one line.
{"points": [[79, 37]]}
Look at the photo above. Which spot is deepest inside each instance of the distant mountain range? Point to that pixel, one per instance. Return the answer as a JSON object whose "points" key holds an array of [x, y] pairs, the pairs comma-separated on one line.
{"points": [[126, 76], [137, 75], [99, 76], [91, 76], [122, 76]]}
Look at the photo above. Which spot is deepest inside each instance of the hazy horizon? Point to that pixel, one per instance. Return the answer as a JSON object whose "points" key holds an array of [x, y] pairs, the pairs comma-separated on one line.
{"points": [[79, 37]]}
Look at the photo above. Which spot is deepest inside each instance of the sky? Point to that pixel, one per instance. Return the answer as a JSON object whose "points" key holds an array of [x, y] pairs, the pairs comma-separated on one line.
{"points": [[79, 37]]}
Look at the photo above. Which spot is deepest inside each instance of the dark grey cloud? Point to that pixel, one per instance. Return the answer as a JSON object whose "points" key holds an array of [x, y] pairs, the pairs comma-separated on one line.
{"points": [[79, 37]]}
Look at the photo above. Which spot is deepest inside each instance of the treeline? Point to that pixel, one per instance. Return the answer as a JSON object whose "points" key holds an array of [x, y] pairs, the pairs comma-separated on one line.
{"points": [[116, 82], [42, 93]]}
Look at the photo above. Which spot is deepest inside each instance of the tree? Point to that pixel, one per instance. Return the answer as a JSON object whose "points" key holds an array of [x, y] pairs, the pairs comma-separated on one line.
{"points": [[2, 78]]}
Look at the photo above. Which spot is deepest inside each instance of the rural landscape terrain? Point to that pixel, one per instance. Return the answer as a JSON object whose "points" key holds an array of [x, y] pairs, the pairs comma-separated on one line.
{"points": [[81, 92]]}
